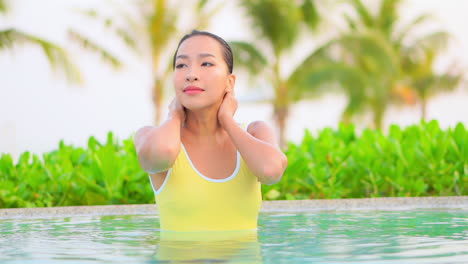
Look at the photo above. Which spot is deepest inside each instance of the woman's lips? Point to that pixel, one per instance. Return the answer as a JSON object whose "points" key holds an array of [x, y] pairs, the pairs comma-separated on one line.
{"points": [[193, 90]]}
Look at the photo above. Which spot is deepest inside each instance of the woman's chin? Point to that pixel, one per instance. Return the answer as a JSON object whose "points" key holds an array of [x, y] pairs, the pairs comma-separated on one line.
{"points": [[198, 108]]}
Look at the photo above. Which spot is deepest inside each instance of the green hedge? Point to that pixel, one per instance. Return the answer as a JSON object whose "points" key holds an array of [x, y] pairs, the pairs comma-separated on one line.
{"points": [[101, 174], [419, 160]]}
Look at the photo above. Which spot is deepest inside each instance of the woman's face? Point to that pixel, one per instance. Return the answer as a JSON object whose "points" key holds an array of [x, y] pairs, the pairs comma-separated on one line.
{"points": [[201, 76]]}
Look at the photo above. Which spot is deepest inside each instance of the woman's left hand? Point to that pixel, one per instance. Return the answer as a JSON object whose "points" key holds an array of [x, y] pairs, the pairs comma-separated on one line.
{"points": [[228, 108]]}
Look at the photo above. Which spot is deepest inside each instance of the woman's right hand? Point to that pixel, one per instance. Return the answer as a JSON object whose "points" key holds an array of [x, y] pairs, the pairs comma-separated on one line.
{"points": [[177, 110]]}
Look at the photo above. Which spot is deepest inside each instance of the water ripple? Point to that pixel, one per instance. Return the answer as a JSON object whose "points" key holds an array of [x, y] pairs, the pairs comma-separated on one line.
{"points": [[318, 237]]}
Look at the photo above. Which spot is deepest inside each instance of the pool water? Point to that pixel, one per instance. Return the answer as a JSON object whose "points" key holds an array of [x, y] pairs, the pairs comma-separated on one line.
{"points": [[318, 237]]}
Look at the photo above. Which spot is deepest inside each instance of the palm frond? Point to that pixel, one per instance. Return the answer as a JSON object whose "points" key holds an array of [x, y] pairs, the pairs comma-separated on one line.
{"points": [[133, 16], [434, 42], [370, 51], [248, 56], [314, 60], [403, 33], [447, 82], [425, 49], [431, 84], [204, 15], [364, 13], [329, 75], [127, 35], [319, 72], [201, 4], [95, 48], [3, 7], [388, 15], [323, 77], [57, 56], [9, 37], [310, 14], [277, 21], [352, 23]]}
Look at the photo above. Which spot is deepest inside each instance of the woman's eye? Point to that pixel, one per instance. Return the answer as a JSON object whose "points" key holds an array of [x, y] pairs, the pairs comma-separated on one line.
{"points": [[207, 64], [181, 65]]}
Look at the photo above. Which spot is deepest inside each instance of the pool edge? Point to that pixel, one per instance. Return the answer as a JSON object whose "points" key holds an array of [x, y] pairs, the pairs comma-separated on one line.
{"points": [[361, 204]]}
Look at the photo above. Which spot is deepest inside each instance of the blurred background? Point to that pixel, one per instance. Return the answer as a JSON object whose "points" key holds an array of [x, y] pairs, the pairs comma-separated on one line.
{"points": [[79, 68]]}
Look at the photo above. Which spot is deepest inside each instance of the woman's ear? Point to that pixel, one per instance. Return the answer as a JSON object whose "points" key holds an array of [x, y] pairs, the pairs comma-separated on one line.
{"points": [[231, 82]]}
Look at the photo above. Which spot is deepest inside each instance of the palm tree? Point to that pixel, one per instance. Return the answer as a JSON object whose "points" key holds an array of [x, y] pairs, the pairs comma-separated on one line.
{"points": [[419, 66], [370, 69], [371, 48], [279, 24], [58, 56], [394, 73]]}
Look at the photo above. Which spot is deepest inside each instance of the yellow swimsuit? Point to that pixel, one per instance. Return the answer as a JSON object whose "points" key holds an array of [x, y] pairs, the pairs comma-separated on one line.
{"points": [[189, 201]]}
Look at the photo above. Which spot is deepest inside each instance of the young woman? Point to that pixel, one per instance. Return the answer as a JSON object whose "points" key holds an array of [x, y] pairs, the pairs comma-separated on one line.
{"points": [[205, 168]]}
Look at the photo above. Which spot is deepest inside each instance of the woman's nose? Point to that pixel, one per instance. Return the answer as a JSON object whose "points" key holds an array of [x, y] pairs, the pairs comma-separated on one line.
{"points": [[191, 77]]}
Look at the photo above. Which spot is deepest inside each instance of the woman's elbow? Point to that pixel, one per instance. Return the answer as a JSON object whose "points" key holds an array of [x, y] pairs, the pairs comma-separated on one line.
{"points": [[145, 159], [156, 157], [273, 174]]}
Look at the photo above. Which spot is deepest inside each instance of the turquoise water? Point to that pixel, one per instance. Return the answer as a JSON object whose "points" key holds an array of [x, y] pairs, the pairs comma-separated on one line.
{"points": [[318, 237]]}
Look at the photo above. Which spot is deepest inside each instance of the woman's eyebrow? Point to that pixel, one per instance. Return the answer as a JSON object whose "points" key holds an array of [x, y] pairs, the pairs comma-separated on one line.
{"points": [[201, 55], [182, 56], [204, 55]]}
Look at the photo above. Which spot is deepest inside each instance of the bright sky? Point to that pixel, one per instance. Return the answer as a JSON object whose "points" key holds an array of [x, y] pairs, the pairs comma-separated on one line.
{"points": [[37, 109]]}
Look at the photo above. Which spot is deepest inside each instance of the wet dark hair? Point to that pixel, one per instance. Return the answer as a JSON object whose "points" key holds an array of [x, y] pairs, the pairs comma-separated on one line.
{"points": [[227, 51]]}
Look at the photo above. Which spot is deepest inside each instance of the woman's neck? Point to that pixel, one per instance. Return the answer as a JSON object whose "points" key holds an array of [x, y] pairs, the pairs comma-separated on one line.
{"points": [[203, 124]]}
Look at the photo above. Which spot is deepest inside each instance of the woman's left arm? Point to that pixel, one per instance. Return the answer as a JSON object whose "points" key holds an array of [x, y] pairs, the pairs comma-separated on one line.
{"points": [[257, 145]]}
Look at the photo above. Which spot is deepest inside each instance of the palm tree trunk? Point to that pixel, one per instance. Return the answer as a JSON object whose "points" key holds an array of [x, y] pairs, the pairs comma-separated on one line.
{"points": [[379, 113], [347, 115], [157, 95], [423, 108], [281, 115], [281, 111], [280, 104]]}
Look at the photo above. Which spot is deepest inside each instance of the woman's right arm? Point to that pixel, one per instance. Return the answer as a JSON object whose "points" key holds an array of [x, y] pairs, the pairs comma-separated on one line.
{"points": [[157, 147]]}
